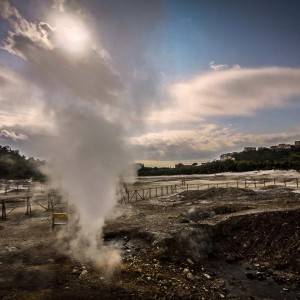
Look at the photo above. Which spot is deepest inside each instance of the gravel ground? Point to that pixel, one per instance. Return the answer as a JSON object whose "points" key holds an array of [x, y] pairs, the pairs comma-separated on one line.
{"points": [[212, 244]]}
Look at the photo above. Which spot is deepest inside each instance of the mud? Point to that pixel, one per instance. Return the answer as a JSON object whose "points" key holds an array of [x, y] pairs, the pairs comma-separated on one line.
{"points": [[220, 243]]}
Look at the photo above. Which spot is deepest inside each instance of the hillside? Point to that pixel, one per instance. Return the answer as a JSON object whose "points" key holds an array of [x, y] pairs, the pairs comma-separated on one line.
{"points": [[13, 165], [263, 159]]}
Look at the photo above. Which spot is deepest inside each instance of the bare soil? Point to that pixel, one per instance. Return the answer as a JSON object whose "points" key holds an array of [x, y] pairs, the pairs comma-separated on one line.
{"points": [[211, 244]]}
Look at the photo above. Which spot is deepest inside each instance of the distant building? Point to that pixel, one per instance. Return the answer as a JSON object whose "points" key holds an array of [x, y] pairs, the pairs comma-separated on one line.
{"points": [[262, 148], [297, 144], [284, 146], [227, 156], [248, 149]]}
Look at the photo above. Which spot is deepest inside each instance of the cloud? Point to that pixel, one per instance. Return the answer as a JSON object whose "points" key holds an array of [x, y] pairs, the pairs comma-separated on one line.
{"points": [[21, 105], [23, 32], [231, 92], [219, 67], [204, 143], [11, 135]]}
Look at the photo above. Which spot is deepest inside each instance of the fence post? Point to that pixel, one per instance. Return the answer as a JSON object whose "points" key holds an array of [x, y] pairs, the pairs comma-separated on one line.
{"points": [[284, 182], [254, 183], [48, 201], [3, 216], [135, 191], [245, 183], [274, 181], [187, 187], [297, 182], [264, 182], [28, 206], [237, 184]]}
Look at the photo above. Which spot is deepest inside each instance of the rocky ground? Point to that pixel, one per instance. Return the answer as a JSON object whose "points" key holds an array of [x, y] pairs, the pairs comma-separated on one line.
{"points": [[211, 244]]}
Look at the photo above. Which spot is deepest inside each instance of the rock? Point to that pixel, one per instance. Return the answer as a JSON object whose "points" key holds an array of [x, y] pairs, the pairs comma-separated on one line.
{"points": [[256, 275], [190, 261], [231, 258], [83, 274], [189, 276], [260, 275], [11, 249], [250, 275], [186, 270], [184, 220], [207, 276]]}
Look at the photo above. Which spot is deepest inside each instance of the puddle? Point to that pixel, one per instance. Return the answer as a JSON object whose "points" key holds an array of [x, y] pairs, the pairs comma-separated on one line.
{"points": [[239, 285]]}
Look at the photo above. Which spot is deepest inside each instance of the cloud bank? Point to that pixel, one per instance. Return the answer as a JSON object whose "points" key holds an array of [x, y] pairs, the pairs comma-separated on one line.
{"points": [[231, 92], [204, 142]]}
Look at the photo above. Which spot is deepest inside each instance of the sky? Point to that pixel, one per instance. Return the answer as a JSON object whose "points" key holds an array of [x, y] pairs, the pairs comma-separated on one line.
{"points": [[195, 78]]}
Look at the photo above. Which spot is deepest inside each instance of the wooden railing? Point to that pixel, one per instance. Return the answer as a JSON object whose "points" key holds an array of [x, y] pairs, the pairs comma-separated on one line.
{"points": [[134, 195], [9, 202]]}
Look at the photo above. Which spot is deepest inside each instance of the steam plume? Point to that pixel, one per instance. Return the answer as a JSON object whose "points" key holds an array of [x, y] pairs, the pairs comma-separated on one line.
{"points": [[82, 94]]}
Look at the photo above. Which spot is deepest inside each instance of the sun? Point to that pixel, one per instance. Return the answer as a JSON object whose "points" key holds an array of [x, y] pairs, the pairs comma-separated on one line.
{"points": [[71, 33]]}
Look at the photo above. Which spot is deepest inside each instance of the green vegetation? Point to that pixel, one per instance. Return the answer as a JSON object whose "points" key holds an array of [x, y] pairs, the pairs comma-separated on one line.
{"points": [[13, 165], [264, 159]]}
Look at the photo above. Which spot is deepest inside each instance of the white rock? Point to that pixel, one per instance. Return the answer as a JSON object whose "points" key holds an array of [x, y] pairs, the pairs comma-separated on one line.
{"points": [[83, 274], [207, 276]]}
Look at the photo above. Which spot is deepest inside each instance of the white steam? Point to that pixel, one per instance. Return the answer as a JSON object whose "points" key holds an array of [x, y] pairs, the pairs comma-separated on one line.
{"points": [[82, 94]]}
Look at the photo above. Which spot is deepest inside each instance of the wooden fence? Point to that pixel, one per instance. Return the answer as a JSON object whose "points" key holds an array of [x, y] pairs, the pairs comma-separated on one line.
{"points": [[134, 195], [11, 201]]}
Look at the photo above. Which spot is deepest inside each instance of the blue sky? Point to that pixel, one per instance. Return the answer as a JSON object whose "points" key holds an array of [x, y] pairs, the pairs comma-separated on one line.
{"points": [[189, 63], [251, 33]]}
